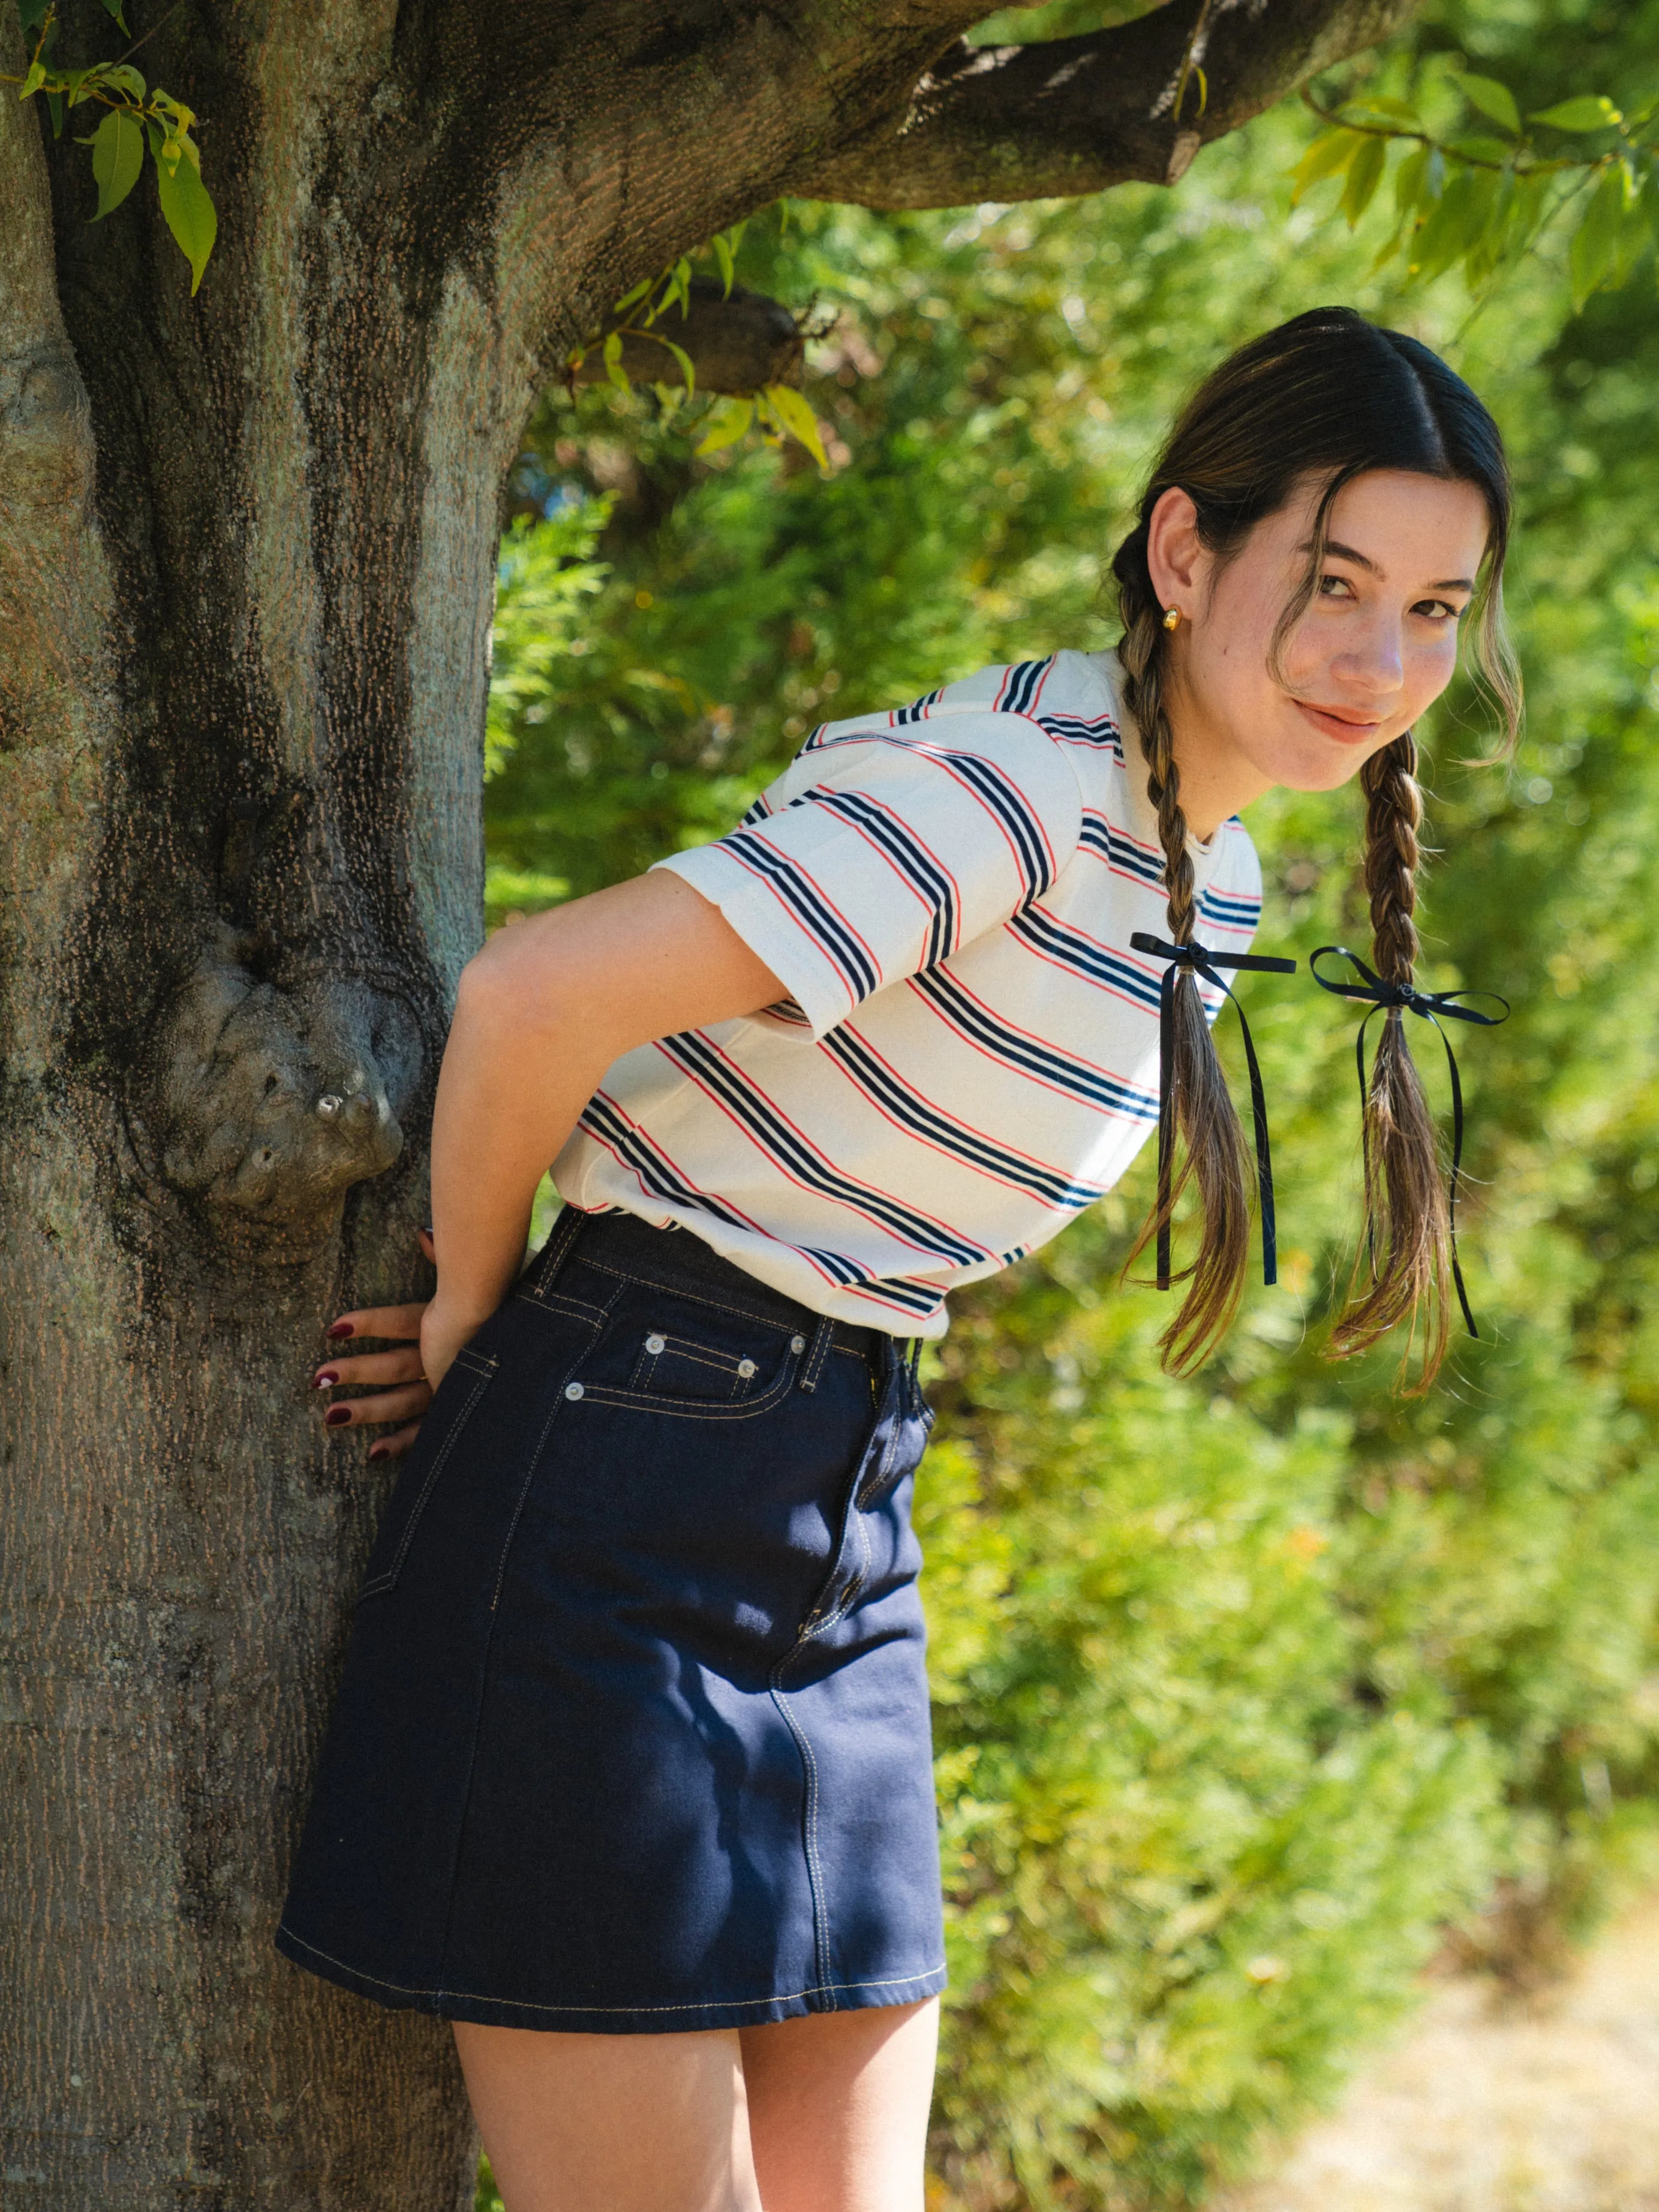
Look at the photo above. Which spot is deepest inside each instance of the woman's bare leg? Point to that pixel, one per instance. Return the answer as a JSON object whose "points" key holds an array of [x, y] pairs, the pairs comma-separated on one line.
{"points": [[838, 2108], [611, 2123]]}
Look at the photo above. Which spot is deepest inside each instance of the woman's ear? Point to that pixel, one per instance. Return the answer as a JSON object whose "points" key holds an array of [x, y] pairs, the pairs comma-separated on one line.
{"points": [[1175, 556]]}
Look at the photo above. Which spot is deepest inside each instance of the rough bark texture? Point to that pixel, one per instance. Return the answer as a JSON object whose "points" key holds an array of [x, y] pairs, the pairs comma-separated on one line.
{"points": [[247, 552]]}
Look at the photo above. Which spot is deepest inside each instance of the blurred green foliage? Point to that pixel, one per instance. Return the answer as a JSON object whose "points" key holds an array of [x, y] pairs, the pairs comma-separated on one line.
{"points": [[1256, 1692]]}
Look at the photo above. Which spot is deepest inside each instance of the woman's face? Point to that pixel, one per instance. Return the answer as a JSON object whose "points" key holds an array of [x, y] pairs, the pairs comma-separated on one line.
{"points": [[1375, 647]]}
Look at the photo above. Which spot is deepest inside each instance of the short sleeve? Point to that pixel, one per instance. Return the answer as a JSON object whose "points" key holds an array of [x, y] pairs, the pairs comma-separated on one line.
{"points": [[881, 850]]}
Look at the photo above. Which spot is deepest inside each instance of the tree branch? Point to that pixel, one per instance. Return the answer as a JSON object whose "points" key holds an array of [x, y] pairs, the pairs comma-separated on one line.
{"points": [[1078, 115], [735, 344]]}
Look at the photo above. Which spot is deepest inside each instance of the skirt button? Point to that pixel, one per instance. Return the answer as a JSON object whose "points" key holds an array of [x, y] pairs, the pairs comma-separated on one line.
{"points": [[746, 1368], [655, 1344], [797, 1345], [574, 1390]]}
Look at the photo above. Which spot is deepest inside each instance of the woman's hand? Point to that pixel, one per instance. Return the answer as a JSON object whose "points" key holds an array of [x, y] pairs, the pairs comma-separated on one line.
{"points": [[406, 1324]]}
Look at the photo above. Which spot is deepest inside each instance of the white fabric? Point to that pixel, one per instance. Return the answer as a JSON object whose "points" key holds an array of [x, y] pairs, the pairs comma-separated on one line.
{"points": [[968, 1052]]}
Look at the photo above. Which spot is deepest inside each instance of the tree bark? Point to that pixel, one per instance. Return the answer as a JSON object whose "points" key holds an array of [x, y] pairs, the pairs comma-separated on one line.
{"points": [[247, 560]]}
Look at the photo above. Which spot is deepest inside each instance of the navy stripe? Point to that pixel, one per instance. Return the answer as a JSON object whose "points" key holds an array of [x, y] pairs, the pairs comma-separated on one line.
{"points": [[971, 1020], [757, 1113], [877, 1081], [820, 919], [1020, 684], [1005, 799], [657, 1175], [909, 857], [1101, 730], [1071, 949], [922, 1302], [916, 710], [1098, 961], [1099, 836]]}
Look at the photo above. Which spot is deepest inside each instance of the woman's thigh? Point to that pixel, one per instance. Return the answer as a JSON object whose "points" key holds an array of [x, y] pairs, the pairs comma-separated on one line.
{"points": [[838, 2108], [611, 2123]]}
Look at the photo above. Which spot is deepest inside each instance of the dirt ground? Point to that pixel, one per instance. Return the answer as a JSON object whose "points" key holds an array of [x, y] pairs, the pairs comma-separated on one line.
{"points": [[1550, 2108]]}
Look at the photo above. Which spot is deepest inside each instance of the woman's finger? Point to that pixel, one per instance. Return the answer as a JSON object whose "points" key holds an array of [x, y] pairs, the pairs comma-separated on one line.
{"points": [[377, 1321], [369, 1367], [395, 1445], [372, 1412]]}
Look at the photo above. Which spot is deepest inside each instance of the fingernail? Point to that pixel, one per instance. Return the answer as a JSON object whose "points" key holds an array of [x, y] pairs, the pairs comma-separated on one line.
{"points": [[325, 1381], [426, 1228], [336, 1416], [336, 1329], [380, 1451]]}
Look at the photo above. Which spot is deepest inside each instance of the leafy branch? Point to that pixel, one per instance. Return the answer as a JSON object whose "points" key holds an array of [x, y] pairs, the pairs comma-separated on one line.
{"points": [[137, 114], [1481, 198], [776, 410]]}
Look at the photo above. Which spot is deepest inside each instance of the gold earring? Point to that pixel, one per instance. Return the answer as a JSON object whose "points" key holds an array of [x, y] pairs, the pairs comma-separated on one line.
{"points": [[1171, 617]]}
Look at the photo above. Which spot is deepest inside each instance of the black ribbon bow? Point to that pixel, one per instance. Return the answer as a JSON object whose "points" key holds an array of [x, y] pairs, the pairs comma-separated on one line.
{"points": [[1202, 962], [1431, 1004]]}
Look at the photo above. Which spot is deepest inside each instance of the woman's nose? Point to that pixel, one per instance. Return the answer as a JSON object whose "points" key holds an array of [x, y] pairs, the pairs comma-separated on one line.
{"points": [[1376, 663]]}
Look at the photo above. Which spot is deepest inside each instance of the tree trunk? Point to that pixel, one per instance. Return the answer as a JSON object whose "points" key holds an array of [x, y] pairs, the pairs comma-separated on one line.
{"points": [[242, 692], [247, 555]]}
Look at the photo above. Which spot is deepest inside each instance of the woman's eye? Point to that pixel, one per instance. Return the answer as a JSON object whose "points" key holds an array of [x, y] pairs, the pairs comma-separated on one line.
{"points": [[1437, 611], [1335, 587]]}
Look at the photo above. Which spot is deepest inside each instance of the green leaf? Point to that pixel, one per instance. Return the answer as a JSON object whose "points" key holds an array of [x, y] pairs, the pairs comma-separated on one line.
{"points": [[118, 155], [31, 13], [686, 370], [629, 298], [1593, 260], [33, 80], [1590, 112], [55, 109], [1456, 224], [727, 424], [613, 367], [114, 7], [1479, 147], [1327, 156], [1493, 100], [121, 77], [722, 255], [1379, 103], [797, 418], [186, 202], [1364, 175]]}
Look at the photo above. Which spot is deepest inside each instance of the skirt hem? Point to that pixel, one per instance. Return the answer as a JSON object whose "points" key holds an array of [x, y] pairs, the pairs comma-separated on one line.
{"points": [[612, 2020]]}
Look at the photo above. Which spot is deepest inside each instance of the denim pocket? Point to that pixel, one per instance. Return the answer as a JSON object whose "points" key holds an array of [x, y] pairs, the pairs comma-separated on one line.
{"points": [[680, 1367], [678, 1354], [900, 1438], [458, 1394]]}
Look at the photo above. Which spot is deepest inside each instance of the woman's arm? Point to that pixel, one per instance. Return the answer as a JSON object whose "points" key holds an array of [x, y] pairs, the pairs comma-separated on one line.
{"points": [[540, 1014]]}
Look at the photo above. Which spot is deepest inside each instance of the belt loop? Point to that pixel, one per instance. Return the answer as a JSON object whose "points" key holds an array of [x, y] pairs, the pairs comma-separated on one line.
{"points": [[817, 1353], [557, 1249]]}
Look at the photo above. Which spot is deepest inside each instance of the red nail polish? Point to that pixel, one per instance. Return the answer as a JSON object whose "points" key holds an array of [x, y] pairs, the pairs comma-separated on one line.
{"points": [[325, 1381], [336, 1416], [380, 1451], [338, 1329]]}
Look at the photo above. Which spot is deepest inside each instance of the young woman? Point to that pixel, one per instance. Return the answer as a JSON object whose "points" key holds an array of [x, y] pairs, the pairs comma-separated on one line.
{"points": [[629, 1777]]}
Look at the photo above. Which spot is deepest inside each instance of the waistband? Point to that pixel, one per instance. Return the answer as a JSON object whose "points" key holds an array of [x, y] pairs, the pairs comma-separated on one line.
{"points": [[671, 1256]]}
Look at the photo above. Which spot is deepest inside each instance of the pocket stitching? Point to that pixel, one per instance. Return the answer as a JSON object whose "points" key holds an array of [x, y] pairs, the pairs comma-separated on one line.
{"points": [[388, 1578]]}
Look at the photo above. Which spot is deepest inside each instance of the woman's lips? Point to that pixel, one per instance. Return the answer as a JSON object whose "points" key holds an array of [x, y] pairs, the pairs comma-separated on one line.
{"points": [[1346, 729]]}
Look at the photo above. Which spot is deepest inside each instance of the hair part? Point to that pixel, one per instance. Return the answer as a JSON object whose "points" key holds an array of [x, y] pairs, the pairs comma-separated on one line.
{"points": [[1327, 396]]}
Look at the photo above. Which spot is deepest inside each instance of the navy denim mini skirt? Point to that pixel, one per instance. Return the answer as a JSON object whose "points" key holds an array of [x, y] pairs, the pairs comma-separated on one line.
{"points": [[632, 1734]]}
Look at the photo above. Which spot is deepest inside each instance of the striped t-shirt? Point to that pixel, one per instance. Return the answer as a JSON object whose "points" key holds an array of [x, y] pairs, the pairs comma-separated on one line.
{"points": [[968, 1053]]}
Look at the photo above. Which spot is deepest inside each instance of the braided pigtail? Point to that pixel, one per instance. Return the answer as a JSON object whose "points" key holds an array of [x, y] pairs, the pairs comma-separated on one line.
{"points": [[1212, 1149], [1405, 1261]]}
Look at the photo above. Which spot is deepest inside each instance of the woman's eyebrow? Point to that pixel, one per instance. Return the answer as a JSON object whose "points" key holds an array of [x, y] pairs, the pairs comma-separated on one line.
{"points": [[1363, 561]]}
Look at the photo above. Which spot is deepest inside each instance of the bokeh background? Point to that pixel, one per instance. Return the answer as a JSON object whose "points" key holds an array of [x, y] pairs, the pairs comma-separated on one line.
{"points": [[1258, 1694]]}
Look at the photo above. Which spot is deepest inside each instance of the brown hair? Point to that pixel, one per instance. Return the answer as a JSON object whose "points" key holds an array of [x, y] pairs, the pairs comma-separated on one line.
{"points": [[1327, 397]]}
